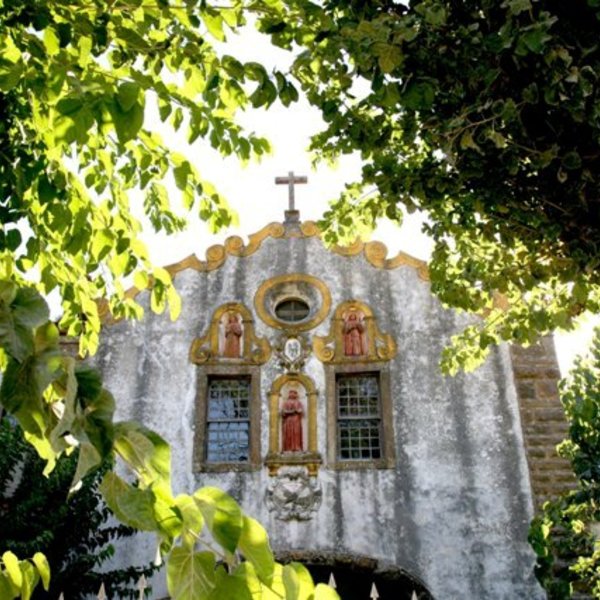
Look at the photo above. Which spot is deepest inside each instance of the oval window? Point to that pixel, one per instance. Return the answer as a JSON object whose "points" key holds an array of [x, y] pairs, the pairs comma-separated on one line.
{"points": [[292, 310]]}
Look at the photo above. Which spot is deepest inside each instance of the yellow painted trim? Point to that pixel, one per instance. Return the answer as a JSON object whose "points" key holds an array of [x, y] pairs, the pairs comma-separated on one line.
{"points": [[375, 253], [330, 348], [270, 319]]}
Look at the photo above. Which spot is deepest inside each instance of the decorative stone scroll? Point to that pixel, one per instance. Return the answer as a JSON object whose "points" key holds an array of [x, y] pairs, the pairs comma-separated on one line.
{"points": [[354, 336], [230, 339], [293, 495], [293, 424]]}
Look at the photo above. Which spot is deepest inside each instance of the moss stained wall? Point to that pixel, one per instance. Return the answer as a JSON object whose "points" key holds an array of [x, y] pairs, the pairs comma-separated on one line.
{"points": [[454, 510]]}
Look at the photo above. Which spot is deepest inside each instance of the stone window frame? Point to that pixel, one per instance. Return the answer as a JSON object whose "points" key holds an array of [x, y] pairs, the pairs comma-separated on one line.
{"points": [[200, 420], [388, 455]]}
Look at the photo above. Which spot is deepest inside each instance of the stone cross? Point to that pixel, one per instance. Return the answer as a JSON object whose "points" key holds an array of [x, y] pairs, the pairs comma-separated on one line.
{"points": [[291, 179]]}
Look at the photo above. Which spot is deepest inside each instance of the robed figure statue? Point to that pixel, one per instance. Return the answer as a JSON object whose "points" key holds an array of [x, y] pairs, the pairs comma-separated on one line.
{"points": [[233, 334], [355, 343], [291, 423]]}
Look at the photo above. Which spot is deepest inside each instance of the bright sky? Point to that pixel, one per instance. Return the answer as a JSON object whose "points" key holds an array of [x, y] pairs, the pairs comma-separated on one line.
{"points": [[251, 190]]}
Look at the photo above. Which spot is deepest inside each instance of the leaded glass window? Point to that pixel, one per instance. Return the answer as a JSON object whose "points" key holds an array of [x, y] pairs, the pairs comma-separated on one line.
{"points": [[292, 310], [228, 420], [358, 417]]}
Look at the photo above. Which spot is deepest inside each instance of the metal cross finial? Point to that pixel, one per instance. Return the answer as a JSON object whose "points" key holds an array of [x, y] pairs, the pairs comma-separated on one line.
{"points": [[291, 179]]}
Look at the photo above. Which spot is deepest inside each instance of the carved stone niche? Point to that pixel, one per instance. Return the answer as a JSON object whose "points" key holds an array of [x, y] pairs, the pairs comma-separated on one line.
{"points": [[293, 424], [354, 337], [293, 495], [230, 339]]}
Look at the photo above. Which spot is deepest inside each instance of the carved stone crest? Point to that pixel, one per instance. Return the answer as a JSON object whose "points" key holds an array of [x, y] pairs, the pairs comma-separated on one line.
{"points": [[292, 352], [293, 495]]}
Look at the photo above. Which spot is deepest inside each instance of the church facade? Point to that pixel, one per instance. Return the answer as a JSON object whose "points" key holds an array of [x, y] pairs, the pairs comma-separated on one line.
{"points": [[304, 381]]}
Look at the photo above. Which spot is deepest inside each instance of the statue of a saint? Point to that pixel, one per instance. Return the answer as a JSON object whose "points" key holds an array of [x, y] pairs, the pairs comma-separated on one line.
{"points": [[355, 342], [291, 423], [233, 335]]}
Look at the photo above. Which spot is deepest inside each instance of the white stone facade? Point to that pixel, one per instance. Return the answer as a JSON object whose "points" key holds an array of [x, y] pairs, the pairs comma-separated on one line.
{"points": [[455, 508]]}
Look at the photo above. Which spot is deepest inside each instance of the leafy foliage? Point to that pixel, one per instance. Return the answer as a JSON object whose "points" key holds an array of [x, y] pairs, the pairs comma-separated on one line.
{"points": [[565, 535], [79, 164], [37, 515], [60, 405], [486, 116]]}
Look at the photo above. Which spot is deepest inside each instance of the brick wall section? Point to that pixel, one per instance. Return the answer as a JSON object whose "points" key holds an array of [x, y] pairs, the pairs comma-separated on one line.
{"points": [[544, 425]]}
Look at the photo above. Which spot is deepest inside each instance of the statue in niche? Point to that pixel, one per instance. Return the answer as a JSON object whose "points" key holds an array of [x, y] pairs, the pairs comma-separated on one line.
{"points": [[355, 336], [233, 331], [292, 412]]}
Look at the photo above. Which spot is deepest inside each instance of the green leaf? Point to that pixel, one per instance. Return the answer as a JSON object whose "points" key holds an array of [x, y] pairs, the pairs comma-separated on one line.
{"points": [[254, 545], [298, 582], [181, 173], [13, 569], [10, 75], [13, 239], [127, 123], [127, 95], [190, 575], [518, 6], [41, 563], [51, 41], [193, 522], [389, 57], [324, 592], [230, 587], [222, 514], [6, 590], [418, 96], [30, 579], [214, 23], [131, 505], [146, 452], [24, 310], [572, 160], [89, 458]]}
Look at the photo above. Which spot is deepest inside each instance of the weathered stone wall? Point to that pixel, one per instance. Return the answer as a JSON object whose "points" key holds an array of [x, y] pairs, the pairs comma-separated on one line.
{"points": [[543, 418], [454, 511]]}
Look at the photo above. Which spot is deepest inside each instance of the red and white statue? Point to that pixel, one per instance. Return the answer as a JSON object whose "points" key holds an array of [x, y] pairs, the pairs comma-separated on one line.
{"points": [[233, 331], [355, 334], [292, 412]]}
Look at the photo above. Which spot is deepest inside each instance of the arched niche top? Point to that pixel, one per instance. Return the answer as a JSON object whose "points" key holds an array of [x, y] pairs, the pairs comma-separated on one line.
{"points": [[230, 339], [302, 379], [354, 336]]}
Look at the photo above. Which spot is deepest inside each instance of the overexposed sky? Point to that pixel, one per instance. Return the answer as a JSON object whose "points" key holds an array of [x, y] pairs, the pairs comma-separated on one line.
{"points": [[251, 190]]}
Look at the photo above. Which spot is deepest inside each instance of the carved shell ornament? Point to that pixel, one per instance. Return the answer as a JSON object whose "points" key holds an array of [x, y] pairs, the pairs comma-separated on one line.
{"points": [[354, 336]]}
